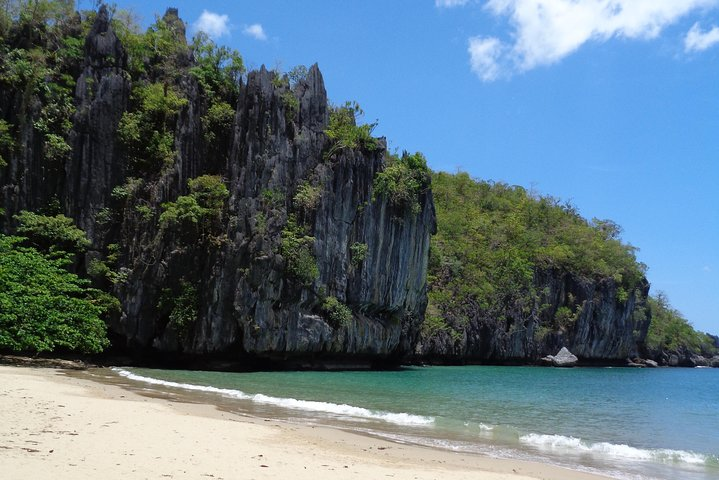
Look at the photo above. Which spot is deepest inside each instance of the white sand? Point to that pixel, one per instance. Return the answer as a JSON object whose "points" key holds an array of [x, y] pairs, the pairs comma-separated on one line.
{"points": [[54, 426]]}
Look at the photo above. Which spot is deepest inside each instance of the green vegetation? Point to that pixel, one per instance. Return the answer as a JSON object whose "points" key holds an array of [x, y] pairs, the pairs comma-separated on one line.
{"points": [[671, 332], [345, 134], [43, 307], [41, 56], [201, 210], [492, 238], [564, 318], [184, 211], [261, 223], [158, 52], [403, 180], [217, 121], [278, 80], [272, 197], [157, 60], [291, 104], [40, 50], [183, 307], [52, 233], [147, 131], [107, 269], [296, 248], [96, 268], [297, 74], [217, 69], [103, 216], [337, 312], [358, 252], [210, 192], [307, 197], [145, 211], [7, 143], [286, 83], [123, 192]]}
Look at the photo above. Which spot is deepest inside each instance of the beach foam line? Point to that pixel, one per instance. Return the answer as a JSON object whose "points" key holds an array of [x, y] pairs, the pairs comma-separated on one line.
{"points": [[405, 419], [576, 445]]}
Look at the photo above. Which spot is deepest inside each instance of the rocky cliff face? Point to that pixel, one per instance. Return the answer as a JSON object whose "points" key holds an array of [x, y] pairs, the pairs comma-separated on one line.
{"points": [[247, 303], [598, 327], [225, 288], [101, 95]]}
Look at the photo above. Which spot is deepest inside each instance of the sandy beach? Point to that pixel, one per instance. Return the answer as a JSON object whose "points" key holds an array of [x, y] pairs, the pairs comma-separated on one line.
{"points": [[57, 426]]}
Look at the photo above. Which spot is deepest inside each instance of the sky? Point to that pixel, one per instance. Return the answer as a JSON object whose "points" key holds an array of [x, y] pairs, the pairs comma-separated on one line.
{"points": [[612, 105]]}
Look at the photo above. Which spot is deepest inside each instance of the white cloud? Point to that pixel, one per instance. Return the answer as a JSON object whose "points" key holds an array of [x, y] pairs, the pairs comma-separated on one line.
{"points": [[707, 268], [696, 40], [255, 31], [483, 57], [450, 3], [546, 31], [213, 24]]}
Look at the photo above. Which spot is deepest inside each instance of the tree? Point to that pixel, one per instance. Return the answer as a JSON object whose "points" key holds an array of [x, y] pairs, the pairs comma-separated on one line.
{"points": [[345, 134], [52, 233], [403, 180], [201, 210], [217, 69], [45, 308], [670, 331]]}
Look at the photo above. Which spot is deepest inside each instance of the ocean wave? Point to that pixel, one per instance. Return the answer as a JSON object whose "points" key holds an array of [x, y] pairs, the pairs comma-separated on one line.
{"points": [[405, 419], [576, 445]]}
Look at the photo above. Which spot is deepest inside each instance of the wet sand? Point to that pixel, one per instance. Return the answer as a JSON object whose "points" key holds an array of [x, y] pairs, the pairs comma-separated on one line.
{"points": [[59, 426]]}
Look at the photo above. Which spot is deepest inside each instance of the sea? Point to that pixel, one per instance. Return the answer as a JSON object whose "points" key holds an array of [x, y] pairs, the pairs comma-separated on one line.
{"points": [[626, 423]]}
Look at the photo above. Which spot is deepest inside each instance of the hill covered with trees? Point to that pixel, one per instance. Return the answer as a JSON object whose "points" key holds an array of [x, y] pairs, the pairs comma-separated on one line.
{"points": [[514, 276]]}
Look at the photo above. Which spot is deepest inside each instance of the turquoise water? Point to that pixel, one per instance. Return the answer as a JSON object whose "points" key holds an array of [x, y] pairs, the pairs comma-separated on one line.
{"points": [[627, 423]]}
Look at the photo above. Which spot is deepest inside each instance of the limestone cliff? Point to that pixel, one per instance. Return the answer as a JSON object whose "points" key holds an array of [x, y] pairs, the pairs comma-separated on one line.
{"points": [[224, 287], [601, 329]]}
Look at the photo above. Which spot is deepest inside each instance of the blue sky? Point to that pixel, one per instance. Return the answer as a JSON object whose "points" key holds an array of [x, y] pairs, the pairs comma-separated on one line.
{"points": [[610, 104]]}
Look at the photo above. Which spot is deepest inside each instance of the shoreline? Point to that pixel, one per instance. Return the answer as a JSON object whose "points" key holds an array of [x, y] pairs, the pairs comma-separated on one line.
{"points": [[84, 362], [74, 427]]}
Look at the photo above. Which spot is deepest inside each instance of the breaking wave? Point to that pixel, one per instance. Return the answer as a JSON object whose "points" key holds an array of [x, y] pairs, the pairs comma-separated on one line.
{"points": [[560, 443], [405, 419]]}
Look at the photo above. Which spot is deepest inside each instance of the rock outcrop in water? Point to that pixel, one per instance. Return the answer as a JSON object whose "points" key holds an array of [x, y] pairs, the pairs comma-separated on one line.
{"points": [[227, 286], [563, 358]]}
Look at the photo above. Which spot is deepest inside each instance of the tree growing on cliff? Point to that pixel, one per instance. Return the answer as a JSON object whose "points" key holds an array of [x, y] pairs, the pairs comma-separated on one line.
{"points": [[7, 141], [403, 180], [147, 132], [201, 210], [345, 134], [296, 248]]}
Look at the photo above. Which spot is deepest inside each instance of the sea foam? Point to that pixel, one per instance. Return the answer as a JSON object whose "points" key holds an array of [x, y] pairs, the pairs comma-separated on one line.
{"points": [[406, 419], [605, 449]]}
